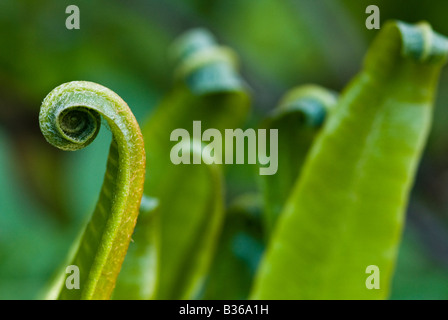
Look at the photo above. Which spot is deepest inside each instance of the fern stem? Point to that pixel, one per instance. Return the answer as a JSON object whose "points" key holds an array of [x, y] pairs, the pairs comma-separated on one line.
{"points": [[70, 119]]}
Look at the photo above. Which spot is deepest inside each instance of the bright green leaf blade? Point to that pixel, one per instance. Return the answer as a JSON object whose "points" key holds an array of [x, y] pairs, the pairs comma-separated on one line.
{"points": [[347, 210]]}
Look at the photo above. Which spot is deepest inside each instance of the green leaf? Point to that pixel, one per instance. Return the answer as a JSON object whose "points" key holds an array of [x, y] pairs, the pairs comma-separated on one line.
{"points": [[347, 210], [70, 119], [193, 199], [189, 241], [298, 118], [208, 89], [138, 276]]}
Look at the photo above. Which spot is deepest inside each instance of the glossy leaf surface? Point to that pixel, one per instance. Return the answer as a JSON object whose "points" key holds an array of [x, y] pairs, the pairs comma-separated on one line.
{"points": [[347, 210]]}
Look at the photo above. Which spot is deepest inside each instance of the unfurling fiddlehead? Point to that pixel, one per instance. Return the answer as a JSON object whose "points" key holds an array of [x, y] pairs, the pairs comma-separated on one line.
{"points": [[70, 119]]}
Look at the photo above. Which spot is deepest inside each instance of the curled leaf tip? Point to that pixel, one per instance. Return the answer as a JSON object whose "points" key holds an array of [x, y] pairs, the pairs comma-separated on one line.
{"points": [[312, 102], [191, 42], [420, 42], [68, 127], [204, 65], [69, 117], [414, 42]]}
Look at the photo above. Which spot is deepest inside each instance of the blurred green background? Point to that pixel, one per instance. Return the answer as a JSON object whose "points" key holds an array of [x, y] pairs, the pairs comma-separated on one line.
{"points": [[46, 194]]}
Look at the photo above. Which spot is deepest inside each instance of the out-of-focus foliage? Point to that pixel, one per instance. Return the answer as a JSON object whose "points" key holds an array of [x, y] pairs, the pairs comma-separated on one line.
{"points": [[241, 247], [209, 90], [297, 119], [124, 45]]}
